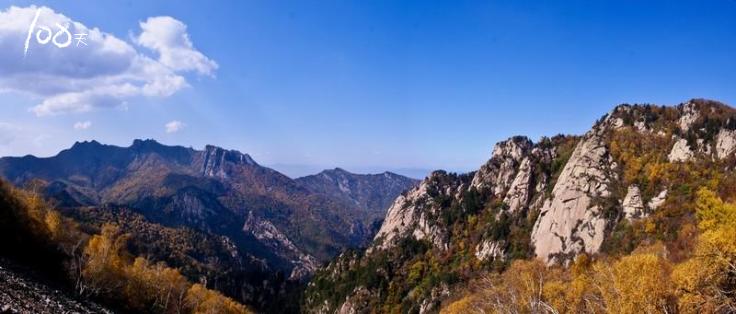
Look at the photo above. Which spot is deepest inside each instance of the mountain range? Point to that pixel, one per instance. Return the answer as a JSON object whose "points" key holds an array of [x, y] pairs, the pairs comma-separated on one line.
{"points": [[257, 222]]}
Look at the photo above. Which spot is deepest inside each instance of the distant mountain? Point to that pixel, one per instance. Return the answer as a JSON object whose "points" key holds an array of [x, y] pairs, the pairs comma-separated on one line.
{"points": [[374, 192], [303, 170], [278, 224]]}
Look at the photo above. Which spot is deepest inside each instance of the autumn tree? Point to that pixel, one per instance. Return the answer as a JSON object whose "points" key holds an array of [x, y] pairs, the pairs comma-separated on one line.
{"points": [[201, 300], [637, 283], [707, 281], [103, 265]]}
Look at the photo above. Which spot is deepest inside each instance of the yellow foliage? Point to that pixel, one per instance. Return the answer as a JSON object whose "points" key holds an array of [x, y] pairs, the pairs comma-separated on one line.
{"points": [[102, 272], [713, 212], [706, 281], [650, 226], [204, 301], [165, 288], [635, 284], [462, 306], [643, 158], [146, 286]]}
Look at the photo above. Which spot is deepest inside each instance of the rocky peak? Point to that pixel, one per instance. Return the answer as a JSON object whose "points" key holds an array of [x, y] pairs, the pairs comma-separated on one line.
{"points": [[150, 144], [216, 159], [86, 148], [498, 173], [86, 144], [689, 113], [515, 148], [412, 212]]}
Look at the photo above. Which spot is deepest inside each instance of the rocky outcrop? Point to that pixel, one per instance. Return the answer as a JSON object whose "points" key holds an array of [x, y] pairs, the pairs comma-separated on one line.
{"points": [[432, 303], [216, 159], [279, 243], [510, 173], [489, 250], [499, 172], [409, 215], [519, 191], [402, 214], [633, 204], [356, 302], [658, 200], [725, 143], [680, 151], [570, 221], [688, 116]]}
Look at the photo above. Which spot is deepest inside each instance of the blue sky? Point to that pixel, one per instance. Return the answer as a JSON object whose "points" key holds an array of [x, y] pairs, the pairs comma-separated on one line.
{"points": [[393, 85]]}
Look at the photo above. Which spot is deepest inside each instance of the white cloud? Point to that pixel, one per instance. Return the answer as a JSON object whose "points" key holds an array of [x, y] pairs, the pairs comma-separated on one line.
{"points": [[82, 125], [107, 72], [174, 126], [169, 38]]}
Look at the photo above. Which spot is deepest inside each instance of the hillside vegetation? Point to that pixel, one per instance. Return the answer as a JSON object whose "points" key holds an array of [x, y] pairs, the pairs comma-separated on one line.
{"points": [[646, 280], [97, 266]]}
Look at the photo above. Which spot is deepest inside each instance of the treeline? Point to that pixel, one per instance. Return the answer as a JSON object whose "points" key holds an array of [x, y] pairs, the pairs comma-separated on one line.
{"points": [[645, 281], [97, 266]]}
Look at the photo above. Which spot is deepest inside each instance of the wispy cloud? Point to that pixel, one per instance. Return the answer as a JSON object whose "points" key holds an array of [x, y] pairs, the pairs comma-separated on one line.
{"points": [[174, 126], [82, 125], [106, 72]]}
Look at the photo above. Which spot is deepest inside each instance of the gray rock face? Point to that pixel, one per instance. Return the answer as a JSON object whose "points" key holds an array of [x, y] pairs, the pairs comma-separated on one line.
{"points": [[409, 215], [499, 172], [278, 242], [633, 204], [402, 214], [216, 158], [725, 143], [680, 151], [509, 174], [689, 115], [355, 303], [570, 222], [519, 191], [658, 200], [489, 250]]}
